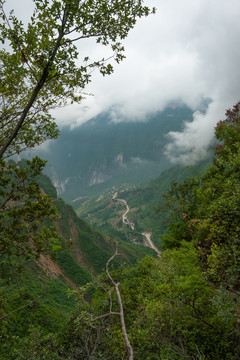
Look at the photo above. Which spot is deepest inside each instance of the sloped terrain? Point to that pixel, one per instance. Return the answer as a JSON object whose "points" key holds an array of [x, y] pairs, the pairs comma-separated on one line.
{"points": [[44, 283], [105, 211], [101, 153]]}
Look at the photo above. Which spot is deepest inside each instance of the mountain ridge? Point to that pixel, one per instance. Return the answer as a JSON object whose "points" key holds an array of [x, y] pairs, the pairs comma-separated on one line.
{"points": [[100, 154]]}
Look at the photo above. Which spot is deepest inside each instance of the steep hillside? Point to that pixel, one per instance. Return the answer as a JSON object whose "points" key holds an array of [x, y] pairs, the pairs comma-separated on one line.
{"points": [[184, 304], [44, 283], [106, 210], [102, 153]]}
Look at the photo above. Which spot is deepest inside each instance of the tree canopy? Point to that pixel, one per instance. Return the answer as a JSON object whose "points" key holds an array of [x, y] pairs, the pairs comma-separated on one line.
{"points": [[43, 67], [209, 208], [184, 305]]}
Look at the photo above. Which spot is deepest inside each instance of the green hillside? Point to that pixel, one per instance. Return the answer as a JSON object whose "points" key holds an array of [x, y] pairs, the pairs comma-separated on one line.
{"points": [[185, 303], [105, 213], [181, 304], [45, 282]]}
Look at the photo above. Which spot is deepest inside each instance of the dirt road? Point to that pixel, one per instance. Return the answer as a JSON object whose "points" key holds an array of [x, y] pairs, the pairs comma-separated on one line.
{"points": [[125, 220], [149, 243]]}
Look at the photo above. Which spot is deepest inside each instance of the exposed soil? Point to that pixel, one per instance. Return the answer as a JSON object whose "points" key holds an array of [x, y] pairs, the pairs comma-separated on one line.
{"points": [[53, 270], [149, 243]]}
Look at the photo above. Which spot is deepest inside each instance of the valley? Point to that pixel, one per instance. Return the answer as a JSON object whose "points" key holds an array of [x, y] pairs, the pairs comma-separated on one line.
{"points": [[119, 198], [62, 292], [148, 242], [127, 211], [101, 153]]}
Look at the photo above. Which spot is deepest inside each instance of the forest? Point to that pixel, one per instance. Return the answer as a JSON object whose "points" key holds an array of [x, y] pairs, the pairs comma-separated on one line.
{"points": [[69, 291], [183, 304]]}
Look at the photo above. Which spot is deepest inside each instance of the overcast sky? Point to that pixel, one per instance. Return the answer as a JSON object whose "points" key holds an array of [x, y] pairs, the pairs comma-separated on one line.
{"points": [[188, 51]]}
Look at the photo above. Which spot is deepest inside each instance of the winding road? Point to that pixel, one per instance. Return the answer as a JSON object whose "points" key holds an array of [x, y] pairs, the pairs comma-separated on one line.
{"points": [[125, 219], [148, 241]]}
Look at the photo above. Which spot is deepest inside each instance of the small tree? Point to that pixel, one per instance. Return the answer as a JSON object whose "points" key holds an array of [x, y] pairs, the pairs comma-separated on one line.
{"points": [[89, 329], [23, 208]]}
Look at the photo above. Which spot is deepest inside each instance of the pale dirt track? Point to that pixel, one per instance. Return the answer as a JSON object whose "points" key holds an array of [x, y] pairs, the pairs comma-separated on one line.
{"points": [[148, 241]]}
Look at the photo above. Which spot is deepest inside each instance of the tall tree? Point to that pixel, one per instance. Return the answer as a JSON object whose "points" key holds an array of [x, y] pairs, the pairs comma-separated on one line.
{"points": [[41, 68], [44, 68]]}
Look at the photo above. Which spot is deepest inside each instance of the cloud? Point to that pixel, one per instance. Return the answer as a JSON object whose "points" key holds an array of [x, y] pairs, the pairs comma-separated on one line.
{"points": [[187, 52], [193, 142]]}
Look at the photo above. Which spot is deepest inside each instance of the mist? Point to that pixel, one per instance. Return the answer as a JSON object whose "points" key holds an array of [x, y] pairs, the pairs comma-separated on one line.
{"points": [[188, 52]]}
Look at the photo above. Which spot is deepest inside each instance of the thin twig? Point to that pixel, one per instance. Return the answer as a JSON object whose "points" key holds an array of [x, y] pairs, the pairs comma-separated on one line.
{"points": [[121, 312], [22, 307]]}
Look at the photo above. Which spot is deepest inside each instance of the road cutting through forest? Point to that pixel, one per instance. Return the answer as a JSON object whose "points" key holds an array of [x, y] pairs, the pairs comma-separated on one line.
{"points": [[148, 241]]}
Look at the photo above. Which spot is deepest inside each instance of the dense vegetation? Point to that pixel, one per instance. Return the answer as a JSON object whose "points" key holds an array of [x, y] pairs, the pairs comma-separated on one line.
{"points": [[36, 290], [145, 201], [184, 304]]}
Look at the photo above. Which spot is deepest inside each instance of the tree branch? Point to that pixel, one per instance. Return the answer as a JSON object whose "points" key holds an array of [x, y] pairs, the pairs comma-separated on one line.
{"points": [[37, 89], [22, 307], [105, 315], [121, 313]]}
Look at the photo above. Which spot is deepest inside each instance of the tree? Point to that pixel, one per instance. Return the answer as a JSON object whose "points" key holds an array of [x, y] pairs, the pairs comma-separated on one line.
{"points": [[210, 208], [92, 327], [180, 203], [23, 208], [41, 69], [44, 68], [170, 309]]}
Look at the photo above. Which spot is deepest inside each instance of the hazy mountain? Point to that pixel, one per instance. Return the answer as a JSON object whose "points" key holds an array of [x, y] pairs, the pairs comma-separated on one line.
{"points": [[101, 153]]}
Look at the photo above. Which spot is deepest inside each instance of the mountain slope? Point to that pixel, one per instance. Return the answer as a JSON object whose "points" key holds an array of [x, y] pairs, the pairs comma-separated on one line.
{"points": [[44, 283], [106, 210], [100, 153]]}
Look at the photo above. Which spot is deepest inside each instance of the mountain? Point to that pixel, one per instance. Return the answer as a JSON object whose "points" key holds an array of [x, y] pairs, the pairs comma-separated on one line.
{"points": [[45, 283], [105, 211], [101, 153]]}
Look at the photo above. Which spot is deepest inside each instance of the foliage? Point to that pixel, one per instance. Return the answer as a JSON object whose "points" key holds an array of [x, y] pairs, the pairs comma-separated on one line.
{"points": [[210, 218], [171, 312], [43, 70], [23, 209], [47, 313]]}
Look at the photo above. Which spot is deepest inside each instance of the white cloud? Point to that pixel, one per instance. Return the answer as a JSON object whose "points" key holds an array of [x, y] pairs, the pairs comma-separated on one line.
{"points": [[188, 51]]}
